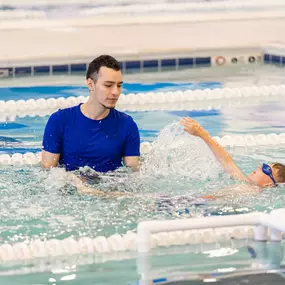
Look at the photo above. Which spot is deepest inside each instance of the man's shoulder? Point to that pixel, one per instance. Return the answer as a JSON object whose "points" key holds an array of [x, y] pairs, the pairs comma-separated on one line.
{"points": [[123, 116], [67, 112], [62, 116]]}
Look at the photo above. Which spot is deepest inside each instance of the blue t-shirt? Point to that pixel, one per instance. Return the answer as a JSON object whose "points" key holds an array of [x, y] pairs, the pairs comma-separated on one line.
{"points": [[99, 144]]}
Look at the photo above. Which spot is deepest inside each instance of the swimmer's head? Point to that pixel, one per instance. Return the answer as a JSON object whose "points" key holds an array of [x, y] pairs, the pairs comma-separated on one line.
{"points": [[263, 178], [104, 81]]}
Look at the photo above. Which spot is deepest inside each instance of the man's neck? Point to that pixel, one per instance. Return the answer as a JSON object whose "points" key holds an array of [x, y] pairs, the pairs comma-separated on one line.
{"points": [[94, 111]]}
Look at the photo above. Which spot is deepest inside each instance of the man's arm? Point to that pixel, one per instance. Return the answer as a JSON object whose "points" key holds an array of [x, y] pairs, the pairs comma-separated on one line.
{"points": [[131, 152], [224, 158], [49, 159], [132, 161], [52, 140], [84, 189]]}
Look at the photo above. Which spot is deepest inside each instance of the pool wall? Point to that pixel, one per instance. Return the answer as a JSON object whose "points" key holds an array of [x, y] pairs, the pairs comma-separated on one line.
{"points": [[141, 42]]}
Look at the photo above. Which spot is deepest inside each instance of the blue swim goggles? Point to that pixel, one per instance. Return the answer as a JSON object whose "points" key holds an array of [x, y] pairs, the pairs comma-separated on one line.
{"points": [[266, 169]]}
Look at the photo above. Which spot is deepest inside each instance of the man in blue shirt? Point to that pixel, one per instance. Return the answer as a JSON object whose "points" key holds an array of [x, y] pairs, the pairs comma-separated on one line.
{"points": [[93, 134]]}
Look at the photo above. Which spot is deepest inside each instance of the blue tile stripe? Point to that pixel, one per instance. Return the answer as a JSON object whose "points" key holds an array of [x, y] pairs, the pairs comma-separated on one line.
{"points": [[168, 62], [78, 67], [150, 64], [203, 61], [60, 68], [185, 61], [274, 59], [23, 70], [136, 64], [267, 58], [132, 65], [41, 69]]}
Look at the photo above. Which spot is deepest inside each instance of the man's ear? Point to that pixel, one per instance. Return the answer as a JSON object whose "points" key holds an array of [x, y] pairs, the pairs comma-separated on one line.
{"points": [[90, 84]]}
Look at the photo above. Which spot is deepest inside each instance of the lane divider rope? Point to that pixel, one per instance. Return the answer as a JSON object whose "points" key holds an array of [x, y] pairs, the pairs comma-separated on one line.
{"points": [[151, 101], [117, 243], [30, 158]]}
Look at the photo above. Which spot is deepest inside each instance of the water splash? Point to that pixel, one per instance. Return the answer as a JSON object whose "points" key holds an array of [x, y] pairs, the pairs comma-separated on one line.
{"points": [[176, 153]]}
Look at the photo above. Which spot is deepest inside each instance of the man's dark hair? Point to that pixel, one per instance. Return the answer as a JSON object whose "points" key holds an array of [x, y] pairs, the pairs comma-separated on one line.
{"points": [[98, 62]]}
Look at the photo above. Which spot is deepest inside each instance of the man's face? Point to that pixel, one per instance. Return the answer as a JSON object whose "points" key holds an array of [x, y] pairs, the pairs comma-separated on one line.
{"points": [[108, 87]]}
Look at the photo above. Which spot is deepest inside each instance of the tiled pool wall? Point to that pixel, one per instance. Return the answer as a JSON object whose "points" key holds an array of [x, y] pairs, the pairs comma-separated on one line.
{"points": [[275, 59], [155, 65]]}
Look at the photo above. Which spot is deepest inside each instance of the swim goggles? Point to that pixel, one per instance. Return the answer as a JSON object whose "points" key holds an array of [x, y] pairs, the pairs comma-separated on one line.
{"points": [[266, 169]]}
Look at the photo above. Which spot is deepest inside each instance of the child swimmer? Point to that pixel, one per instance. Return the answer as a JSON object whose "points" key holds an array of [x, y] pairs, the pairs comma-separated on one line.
{"points": [[266, 175]]}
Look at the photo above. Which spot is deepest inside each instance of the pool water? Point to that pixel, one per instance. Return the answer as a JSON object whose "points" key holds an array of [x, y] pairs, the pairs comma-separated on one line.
{"points": [[179, 165], [44, 206]]}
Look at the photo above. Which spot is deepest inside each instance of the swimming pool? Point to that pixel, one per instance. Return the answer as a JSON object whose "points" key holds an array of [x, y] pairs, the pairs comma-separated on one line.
{"points": [[42, 208]]}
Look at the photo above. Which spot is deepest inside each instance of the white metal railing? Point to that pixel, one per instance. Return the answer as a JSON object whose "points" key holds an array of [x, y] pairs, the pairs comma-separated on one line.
{"points": [[275, 221], [266, 227]]}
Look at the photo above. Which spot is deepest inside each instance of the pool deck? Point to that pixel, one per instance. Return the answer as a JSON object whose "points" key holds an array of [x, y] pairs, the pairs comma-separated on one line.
{"points": [[80, 40]]}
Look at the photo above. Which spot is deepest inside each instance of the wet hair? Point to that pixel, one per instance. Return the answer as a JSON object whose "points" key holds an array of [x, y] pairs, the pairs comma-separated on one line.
{"points": [[280, 172], [98, 62]]}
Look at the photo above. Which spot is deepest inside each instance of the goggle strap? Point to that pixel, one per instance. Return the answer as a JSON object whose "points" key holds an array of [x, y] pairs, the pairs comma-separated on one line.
{"points": [[272, 178]]}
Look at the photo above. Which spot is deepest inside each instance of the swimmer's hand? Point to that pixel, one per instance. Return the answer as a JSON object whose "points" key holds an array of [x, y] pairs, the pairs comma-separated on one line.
{"points": [[193, 128]]}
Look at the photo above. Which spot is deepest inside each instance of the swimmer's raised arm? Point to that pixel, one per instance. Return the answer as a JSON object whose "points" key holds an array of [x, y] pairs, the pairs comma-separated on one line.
{"points": [[224, 158]]}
